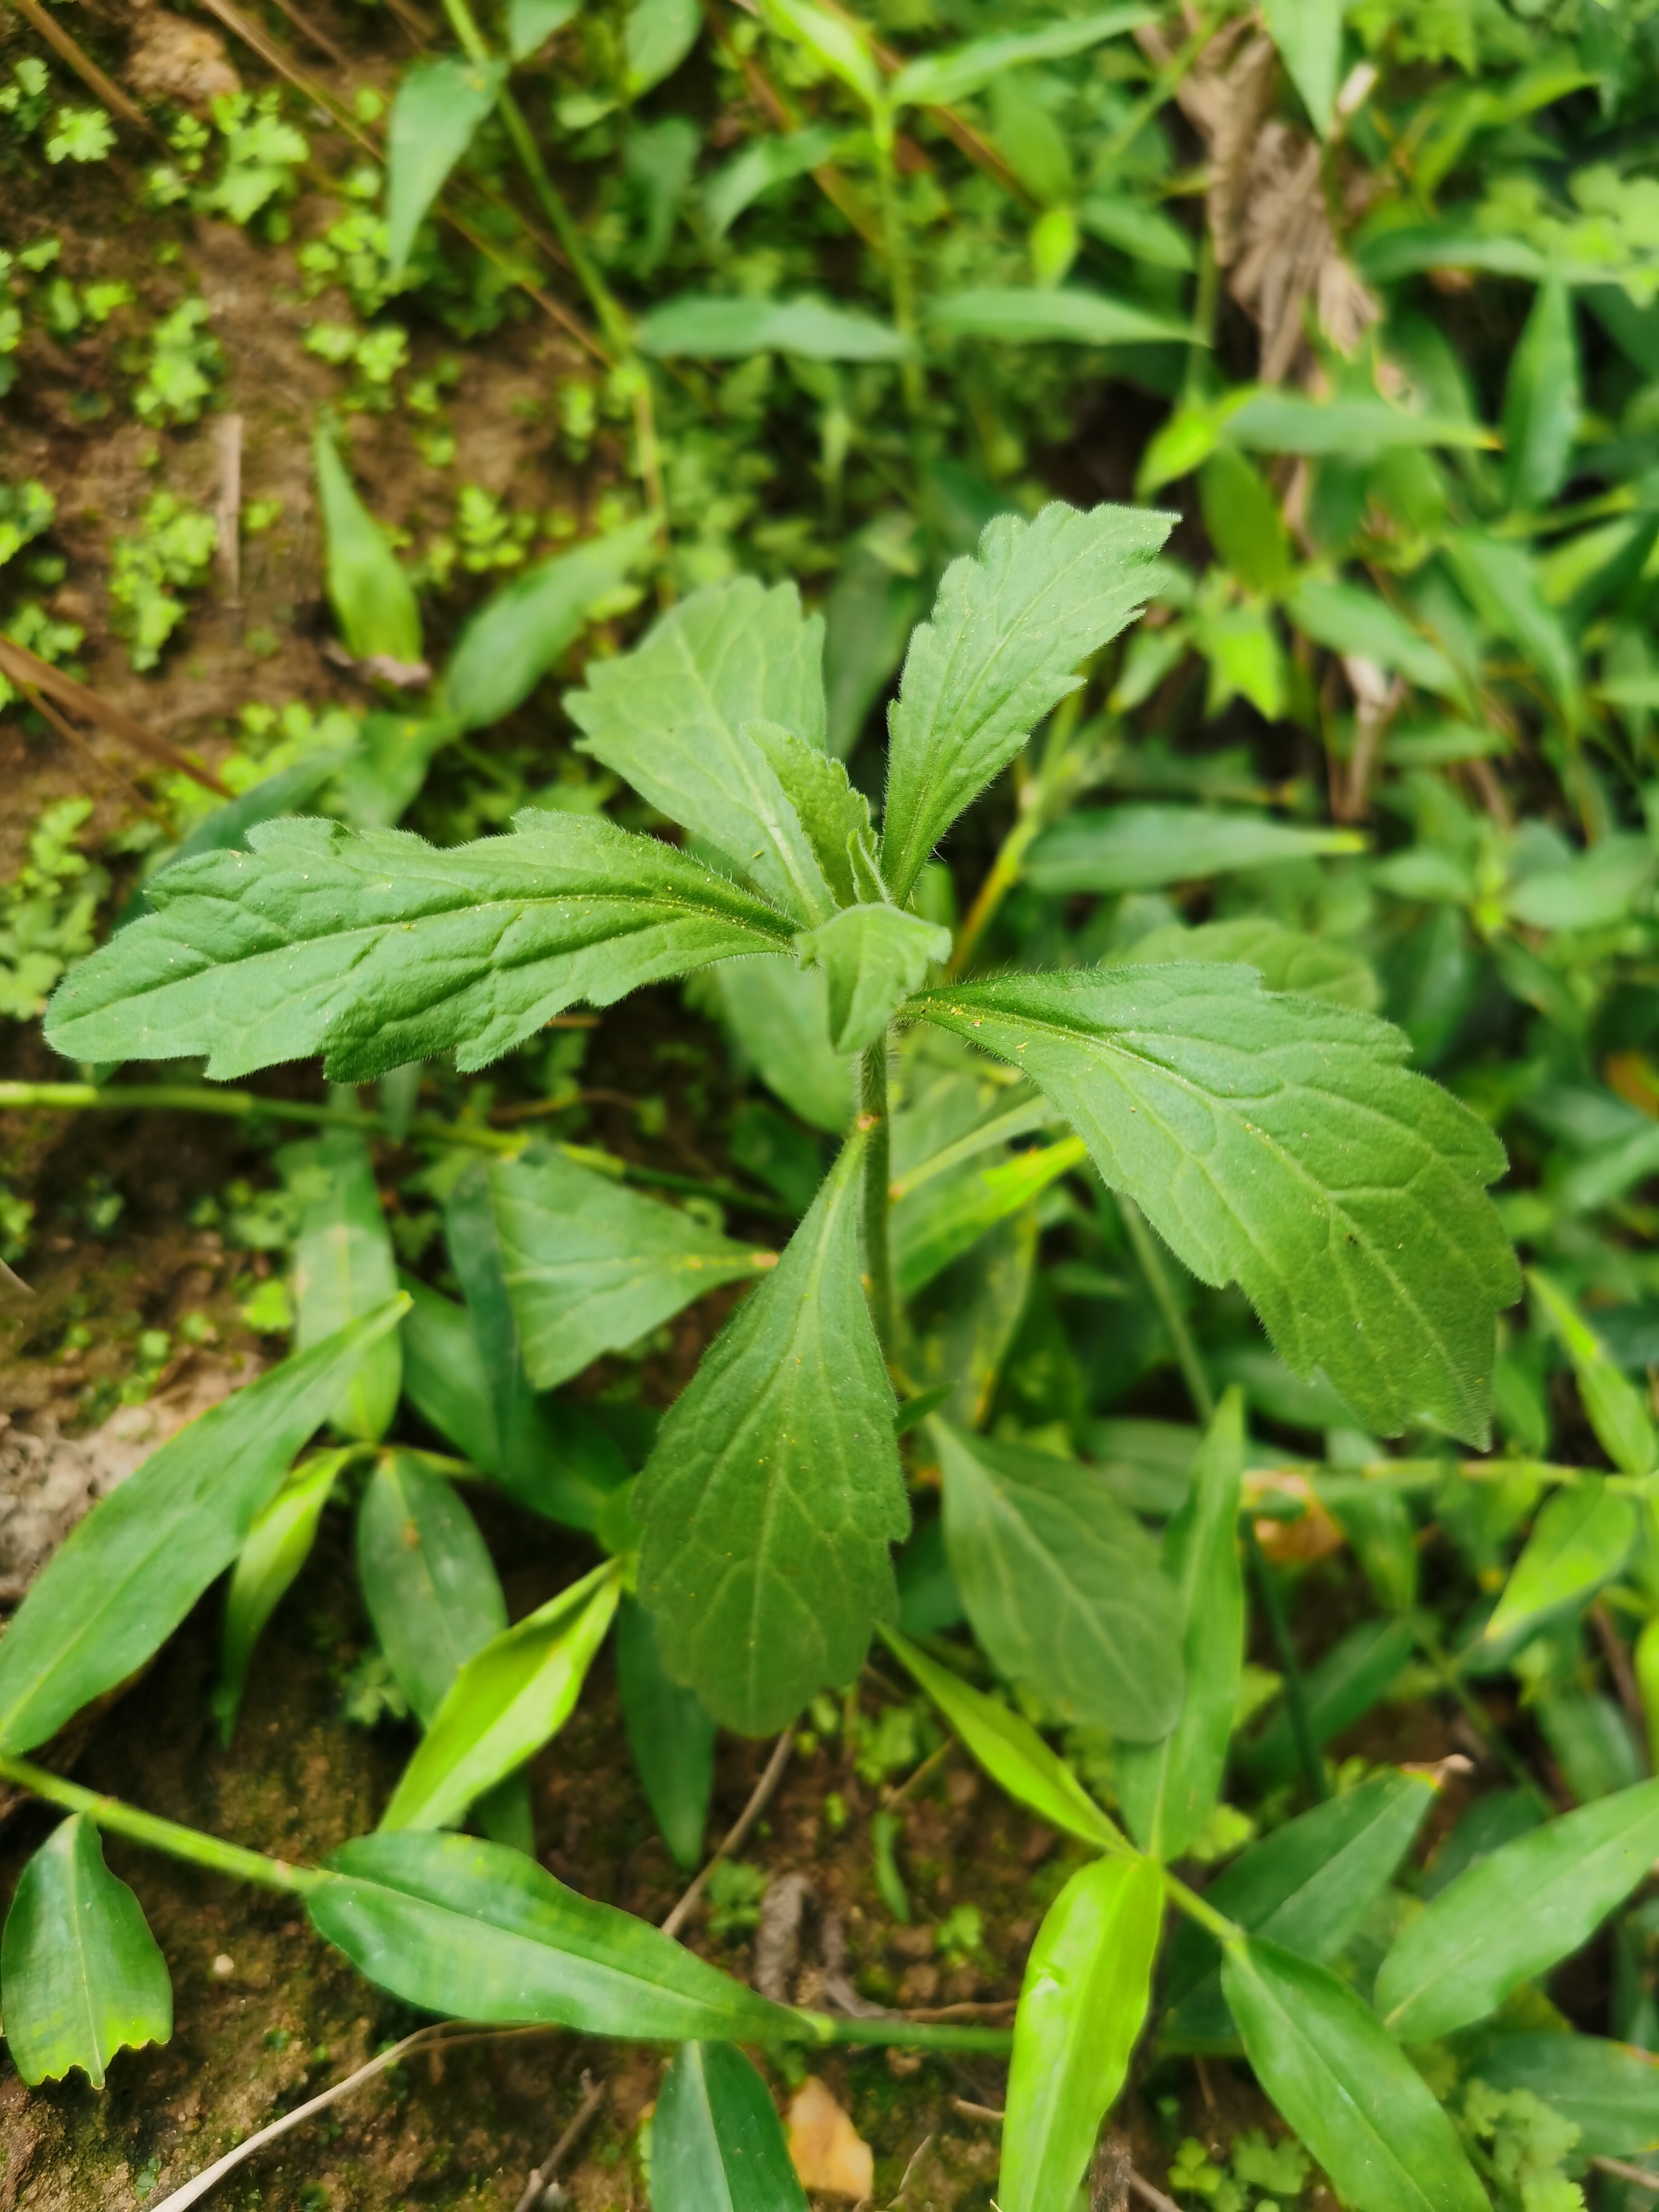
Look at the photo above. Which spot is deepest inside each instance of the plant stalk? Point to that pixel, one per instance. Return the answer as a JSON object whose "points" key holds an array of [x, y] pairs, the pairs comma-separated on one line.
{"points": [[1164, 1296], [873, 1120], [192, 1844], [901, 271], [1296, 1695], [909, 2034]]}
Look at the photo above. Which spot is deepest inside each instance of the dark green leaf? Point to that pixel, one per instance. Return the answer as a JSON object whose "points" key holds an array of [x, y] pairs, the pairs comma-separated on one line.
{"points": [[1608, 2091], [1082, 2005], [779, 1018], [951, 73], [1062, 1585], [872, 956], [1348, 2090], [1517, 1914], [1279, 1142], [1009, 628], [774, 1489], [1010, 1750], [1168, 1790], [731, 330], [1129, 849], [428, 1581], [81, 1974], [1621, 1421], [344, 1268], [1543, 397], [438, 106], [670, 1733], [505, 1703], [475, 1931], [716, 2144], [1307, 1887], [378, 949], [1066, 316], [1344, 1686], [444, 1375], [590, 1266], [516, 637], [278, 1544], [1242, 518], [669, 716], [373, 600], [126, 1576], [1580, 1540]]}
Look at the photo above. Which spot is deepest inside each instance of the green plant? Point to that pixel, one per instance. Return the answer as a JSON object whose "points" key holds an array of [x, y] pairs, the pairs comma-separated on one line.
{"points": [[185, 358], [47, 913], [172, 554]]}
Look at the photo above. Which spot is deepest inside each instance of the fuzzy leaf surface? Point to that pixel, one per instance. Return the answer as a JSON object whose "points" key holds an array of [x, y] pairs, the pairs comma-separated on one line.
{"points": [[872, 956], [1279, 1142], [591, 1265], [1008, 628], [774, 1489], [832, 810], [669, 717], [376, 949]]}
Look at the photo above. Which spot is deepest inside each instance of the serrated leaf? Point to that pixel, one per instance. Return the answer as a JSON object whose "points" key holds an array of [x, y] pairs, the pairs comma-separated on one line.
{"points": [[1010, 1750], [429, 1585], [1132, 848], [373, 600], [1009, 626], [344, 1268], [1350, 2093], [376, 949], [951, 73], [873, 957], [1082, 2005], [278, 1547], [1168, 1790], [716, 2142], [125, 1576], [1052, 315], [1608, 2091], [1580, 1540], [82, 1975], [1543, 397], [1064, 1588], [1621, 1421], [773, 1490], [505, 1703], [833, 812], [1279, 1142], [702, 329], [1286, 959], [515, 637], [438, 106], [1307, 1887], [591, 1265], [472, 1930], [1515, 1914], [670, 1733], [669, 717]]}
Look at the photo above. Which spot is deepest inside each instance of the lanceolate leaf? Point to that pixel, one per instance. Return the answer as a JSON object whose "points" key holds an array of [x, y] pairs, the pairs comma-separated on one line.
{"points": [[373, 600], [1349, 2091], [1010, 1750], [872, 956], [1062, 1584], [1279, 1142], [1081, 2008], [1039, 314], [344, 1268], [941, 79], [833, 812], [1580, 1540], [444, 1375], [1621, 1421], [670, 1733], [942, 1215], [1167, 1790], [278, 1544], [1286, 959], [81, 1973], [430, 1586], [590, 1266], [716, 2144], [773, 1490], [1309, 36], [438, 106], [1541, 399], [1128, 848], [474, 1930], [1009, 628], [669, 717], [1515, 1914], [126, 1576], [504, 1704], [733, 329], [378, 949]]}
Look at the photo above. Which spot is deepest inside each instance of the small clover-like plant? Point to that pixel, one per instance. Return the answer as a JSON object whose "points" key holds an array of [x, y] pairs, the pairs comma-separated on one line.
{"points": [[1273, 1140]]}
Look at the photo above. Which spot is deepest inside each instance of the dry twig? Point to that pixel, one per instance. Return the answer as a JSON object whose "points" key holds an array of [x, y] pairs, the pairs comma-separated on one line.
{"points": [[760, 1798], [545, 2176]]}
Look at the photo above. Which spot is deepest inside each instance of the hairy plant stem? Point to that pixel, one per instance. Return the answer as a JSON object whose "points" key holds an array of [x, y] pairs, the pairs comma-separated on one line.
{"points": [[878, 1159], [149, 1828], [249, 1105]]}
